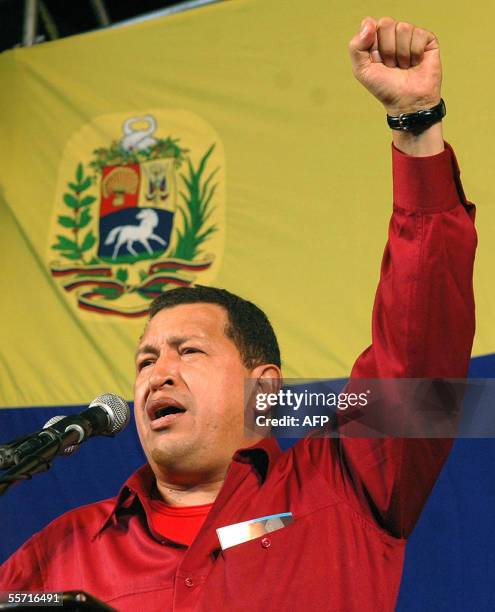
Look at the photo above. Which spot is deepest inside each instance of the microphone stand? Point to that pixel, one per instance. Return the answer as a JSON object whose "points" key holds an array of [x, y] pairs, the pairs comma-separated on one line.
{"points": [[38, 461]]}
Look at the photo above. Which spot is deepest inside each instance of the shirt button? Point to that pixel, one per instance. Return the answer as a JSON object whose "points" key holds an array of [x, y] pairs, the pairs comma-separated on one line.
{"points": [[265, 542], [189, 582]]}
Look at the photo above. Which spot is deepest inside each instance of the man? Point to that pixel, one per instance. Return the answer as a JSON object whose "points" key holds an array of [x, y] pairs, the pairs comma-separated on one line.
{"points": [[353, 501]]}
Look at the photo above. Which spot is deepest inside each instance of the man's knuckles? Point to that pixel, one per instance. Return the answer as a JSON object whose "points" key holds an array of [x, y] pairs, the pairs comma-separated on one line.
{"points": [[395, 43], [402, 27], [386, 22]]}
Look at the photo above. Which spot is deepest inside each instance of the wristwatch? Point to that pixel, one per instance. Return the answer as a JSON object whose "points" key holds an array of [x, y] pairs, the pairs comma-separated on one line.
{"points": [[419, 121]]}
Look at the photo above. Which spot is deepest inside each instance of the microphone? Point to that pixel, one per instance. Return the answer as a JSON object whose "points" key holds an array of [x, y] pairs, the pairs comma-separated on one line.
{"points": [[107, 415], [68, 450]]}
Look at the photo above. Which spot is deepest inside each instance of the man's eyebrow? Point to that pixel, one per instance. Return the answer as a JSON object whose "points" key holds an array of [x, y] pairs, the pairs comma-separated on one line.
{"points": [[146, 348], [175, 340], [171, 341]]}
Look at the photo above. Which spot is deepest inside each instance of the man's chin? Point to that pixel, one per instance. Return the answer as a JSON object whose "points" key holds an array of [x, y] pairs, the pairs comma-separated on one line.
{"points": [[170, 455]]}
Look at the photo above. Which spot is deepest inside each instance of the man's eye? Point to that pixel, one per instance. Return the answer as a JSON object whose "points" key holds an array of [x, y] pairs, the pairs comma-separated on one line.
{"points": [[190, 349], [144, 363]]}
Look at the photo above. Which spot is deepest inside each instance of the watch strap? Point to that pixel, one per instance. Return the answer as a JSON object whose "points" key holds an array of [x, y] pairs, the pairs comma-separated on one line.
{"points": [[418, 121]]}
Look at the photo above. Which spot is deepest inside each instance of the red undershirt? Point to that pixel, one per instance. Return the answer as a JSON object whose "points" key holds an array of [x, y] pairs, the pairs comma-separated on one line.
{"points": [[178, 523]]}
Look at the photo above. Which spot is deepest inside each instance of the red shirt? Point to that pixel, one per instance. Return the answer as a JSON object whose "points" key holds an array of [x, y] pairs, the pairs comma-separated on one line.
{"points": [[354, 501]]}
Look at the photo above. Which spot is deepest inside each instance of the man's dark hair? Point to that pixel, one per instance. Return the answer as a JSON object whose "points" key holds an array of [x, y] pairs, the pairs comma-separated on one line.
{"points": [[248, 326]]}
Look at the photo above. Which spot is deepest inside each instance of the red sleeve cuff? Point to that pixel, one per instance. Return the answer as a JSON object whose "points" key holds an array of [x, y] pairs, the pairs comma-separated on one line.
{"points": [[427, 184]]}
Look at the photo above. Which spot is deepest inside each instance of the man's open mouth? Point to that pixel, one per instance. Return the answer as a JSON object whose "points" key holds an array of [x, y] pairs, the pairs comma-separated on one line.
{"points": [[162, 412]]}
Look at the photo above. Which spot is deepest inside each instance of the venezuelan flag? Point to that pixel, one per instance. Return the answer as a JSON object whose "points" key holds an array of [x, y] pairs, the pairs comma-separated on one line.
{"points": [[227, 146]]}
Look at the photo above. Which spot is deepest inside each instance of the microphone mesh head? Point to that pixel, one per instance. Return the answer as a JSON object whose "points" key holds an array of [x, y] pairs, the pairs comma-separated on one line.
{"points": [[117, 409]]}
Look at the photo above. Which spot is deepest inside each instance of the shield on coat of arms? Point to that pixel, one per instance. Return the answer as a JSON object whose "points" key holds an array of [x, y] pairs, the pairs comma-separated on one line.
{"points": [[137, 207]]}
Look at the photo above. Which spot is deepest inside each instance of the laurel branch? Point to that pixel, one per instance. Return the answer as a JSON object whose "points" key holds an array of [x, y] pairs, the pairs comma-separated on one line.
{"points": [[75, 246]]}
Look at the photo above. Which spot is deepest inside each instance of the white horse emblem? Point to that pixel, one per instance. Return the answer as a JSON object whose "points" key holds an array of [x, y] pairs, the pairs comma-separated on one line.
{"points": [[142, 233]]}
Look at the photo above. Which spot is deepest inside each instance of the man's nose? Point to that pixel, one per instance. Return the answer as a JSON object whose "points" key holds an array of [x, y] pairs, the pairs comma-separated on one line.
{"points": [[165, 372]]}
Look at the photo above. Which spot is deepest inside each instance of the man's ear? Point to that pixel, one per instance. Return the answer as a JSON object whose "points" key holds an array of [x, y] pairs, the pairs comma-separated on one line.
{"points": [[268, 378], [262, 386]]}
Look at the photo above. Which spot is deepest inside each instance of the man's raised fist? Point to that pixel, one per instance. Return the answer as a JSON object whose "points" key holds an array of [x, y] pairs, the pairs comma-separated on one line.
{"points": [[399, 63]]}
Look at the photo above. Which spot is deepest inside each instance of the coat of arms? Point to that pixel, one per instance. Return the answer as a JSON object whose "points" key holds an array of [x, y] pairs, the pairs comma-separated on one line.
{"points": [[135, 222]]}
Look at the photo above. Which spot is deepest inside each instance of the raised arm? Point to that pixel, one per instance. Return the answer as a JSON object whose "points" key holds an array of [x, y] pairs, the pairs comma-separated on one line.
{"points": [[423, 316]]}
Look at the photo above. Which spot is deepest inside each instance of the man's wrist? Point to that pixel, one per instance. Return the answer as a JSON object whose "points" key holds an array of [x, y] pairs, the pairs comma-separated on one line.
{"points": [[412, 107], [429, 142]]}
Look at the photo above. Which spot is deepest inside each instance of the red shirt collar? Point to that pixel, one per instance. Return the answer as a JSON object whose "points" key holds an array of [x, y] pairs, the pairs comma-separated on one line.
{"points": [[138, 487]]}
